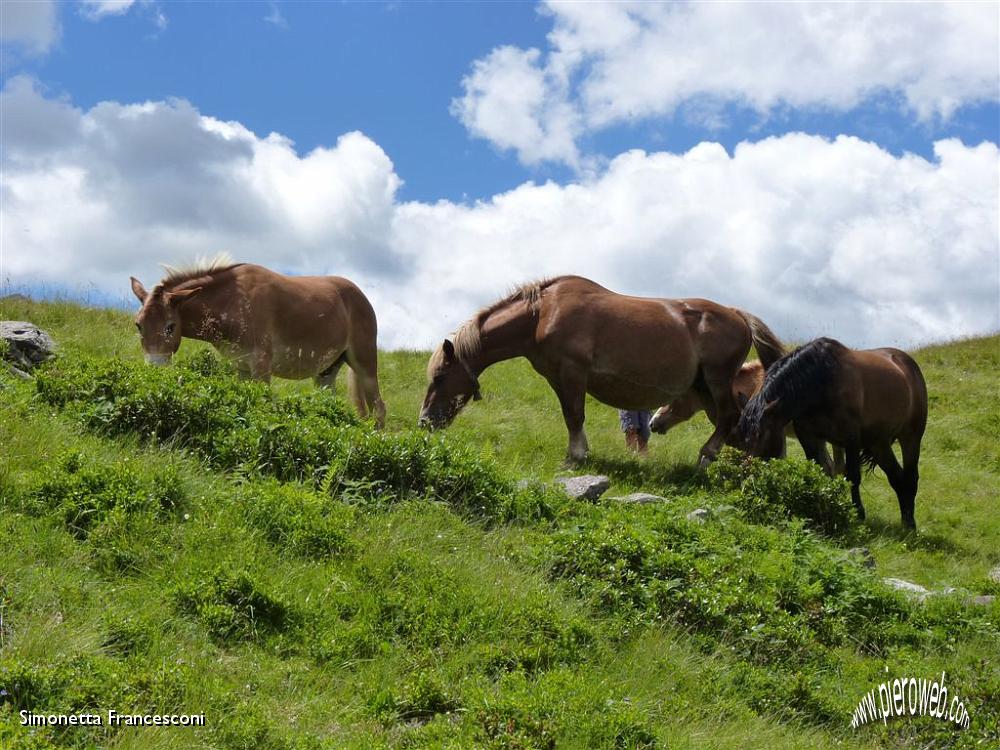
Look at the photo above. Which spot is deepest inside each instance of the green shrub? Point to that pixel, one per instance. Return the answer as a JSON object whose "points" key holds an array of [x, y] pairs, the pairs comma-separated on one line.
{"points": [[419, 698], [83, 493], [235, 607], [298, 520], [780, 597], [773, 491], [235, 424]]}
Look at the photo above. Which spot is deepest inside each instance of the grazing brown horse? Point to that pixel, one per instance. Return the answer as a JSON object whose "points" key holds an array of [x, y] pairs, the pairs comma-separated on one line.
{"points": [[861, 400], [628, 352], [290, 326], [747, 382]]}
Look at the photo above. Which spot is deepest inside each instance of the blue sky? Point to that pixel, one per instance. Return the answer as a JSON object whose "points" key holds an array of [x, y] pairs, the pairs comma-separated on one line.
{"points": [[494, 146], [389, 70], [317, 70]]}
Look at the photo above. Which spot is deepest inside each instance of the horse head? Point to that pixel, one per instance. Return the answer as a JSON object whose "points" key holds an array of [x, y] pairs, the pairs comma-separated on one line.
{"points": [[159, 321], [451, 385]]}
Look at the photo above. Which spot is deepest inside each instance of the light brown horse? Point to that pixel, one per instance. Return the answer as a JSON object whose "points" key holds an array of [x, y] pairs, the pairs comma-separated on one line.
{"points": [[628, 352], [747, 382], [290, 326], [862, 400]]}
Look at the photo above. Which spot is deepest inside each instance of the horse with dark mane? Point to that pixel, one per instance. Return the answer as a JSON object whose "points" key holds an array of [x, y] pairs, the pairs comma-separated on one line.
{"points": [[270, 324], [747, 382], [862, 400], [628, 352]]}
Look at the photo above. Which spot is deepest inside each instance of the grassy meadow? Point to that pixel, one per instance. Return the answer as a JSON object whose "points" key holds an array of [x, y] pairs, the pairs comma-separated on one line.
{"points": [[175, 541]]}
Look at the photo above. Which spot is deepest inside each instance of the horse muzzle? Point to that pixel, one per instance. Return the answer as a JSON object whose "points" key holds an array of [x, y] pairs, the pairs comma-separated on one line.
{"points": [[158, 359]]}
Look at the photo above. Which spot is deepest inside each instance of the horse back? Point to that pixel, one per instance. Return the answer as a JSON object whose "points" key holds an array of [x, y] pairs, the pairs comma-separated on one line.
{"points": [[298, 311]]}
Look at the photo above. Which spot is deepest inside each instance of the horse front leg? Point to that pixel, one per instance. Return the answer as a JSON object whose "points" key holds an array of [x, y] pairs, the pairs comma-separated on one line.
{"points": [[815, 450], [571, 389], [852, 471]]}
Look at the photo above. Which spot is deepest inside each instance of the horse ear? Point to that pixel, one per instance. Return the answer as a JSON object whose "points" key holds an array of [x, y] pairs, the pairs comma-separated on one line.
{"points": [[449, 350], [138, 289], [175, 298]]}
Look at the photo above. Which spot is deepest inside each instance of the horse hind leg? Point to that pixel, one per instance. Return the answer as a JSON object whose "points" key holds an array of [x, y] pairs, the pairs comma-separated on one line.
{"points": [[909, 479], [719, 382], [903, 481], [364, 392], [328, 377]]}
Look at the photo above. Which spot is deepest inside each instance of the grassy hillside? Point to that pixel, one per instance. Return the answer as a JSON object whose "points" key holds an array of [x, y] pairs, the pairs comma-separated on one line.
{"points": [[306, 584]]}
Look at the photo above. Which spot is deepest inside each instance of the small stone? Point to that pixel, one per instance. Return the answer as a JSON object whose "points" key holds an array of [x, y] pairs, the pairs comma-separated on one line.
{"points": [[948, 590], [587, 487], [863, 555], [906, 587], [699, 515], [981, 601], [640, 498], [995, 574]]}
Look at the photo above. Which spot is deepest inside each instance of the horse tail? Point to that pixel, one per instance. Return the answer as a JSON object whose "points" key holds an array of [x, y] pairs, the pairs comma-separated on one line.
{"points": [[769, 347]]}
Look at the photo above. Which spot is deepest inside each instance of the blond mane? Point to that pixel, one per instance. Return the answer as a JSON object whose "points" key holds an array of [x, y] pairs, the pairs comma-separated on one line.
{"points": [[468, 338], [179, 274]]}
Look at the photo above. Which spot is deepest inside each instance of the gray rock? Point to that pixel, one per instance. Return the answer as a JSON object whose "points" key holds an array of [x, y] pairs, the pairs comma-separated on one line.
{"points": [[994, 574], [863, 555], [639, 497], [699, 515], [27, 344], [16, 372], [905, 586], [587, 487], [981, 601]]}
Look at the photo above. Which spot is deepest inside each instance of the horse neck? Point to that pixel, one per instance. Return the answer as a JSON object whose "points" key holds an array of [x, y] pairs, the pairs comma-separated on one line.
{"points": [[201, 315], [505, 334]]}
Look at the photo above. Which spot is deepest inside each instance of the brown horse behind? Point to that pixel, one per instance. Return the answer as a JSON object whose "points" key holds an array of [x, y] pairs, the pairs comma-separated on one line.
{"points": [[861, 400], [290, 326], [747, 382], [628, 352]]}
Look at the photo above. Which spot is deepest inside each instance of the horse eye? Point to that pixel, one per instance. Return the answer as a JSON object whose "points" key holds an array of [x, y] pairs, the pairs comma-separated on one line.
{"points": [[138, 327], [170, 328]]}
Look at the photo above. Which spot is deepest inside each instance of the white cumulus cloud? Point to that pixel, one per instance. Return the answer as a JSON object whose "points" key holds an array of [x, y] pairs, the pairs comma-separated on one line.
{"points": [[817, 236], [610, 63], [96, 9], [31, 26]]}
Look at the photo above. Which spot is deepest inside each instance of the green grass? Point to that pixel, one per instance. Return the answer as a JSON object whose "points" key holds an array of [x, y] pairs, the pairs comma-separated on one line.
{"points": [[340, 603]]}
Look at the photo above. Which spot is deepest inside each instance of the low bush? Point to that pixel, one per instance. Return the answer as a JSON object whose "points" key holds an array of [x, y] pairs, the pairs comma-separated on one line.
{"points": [[235, 607], [242, 425], [774, 491], [779, 597], [84, 493], [296, 519]]}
